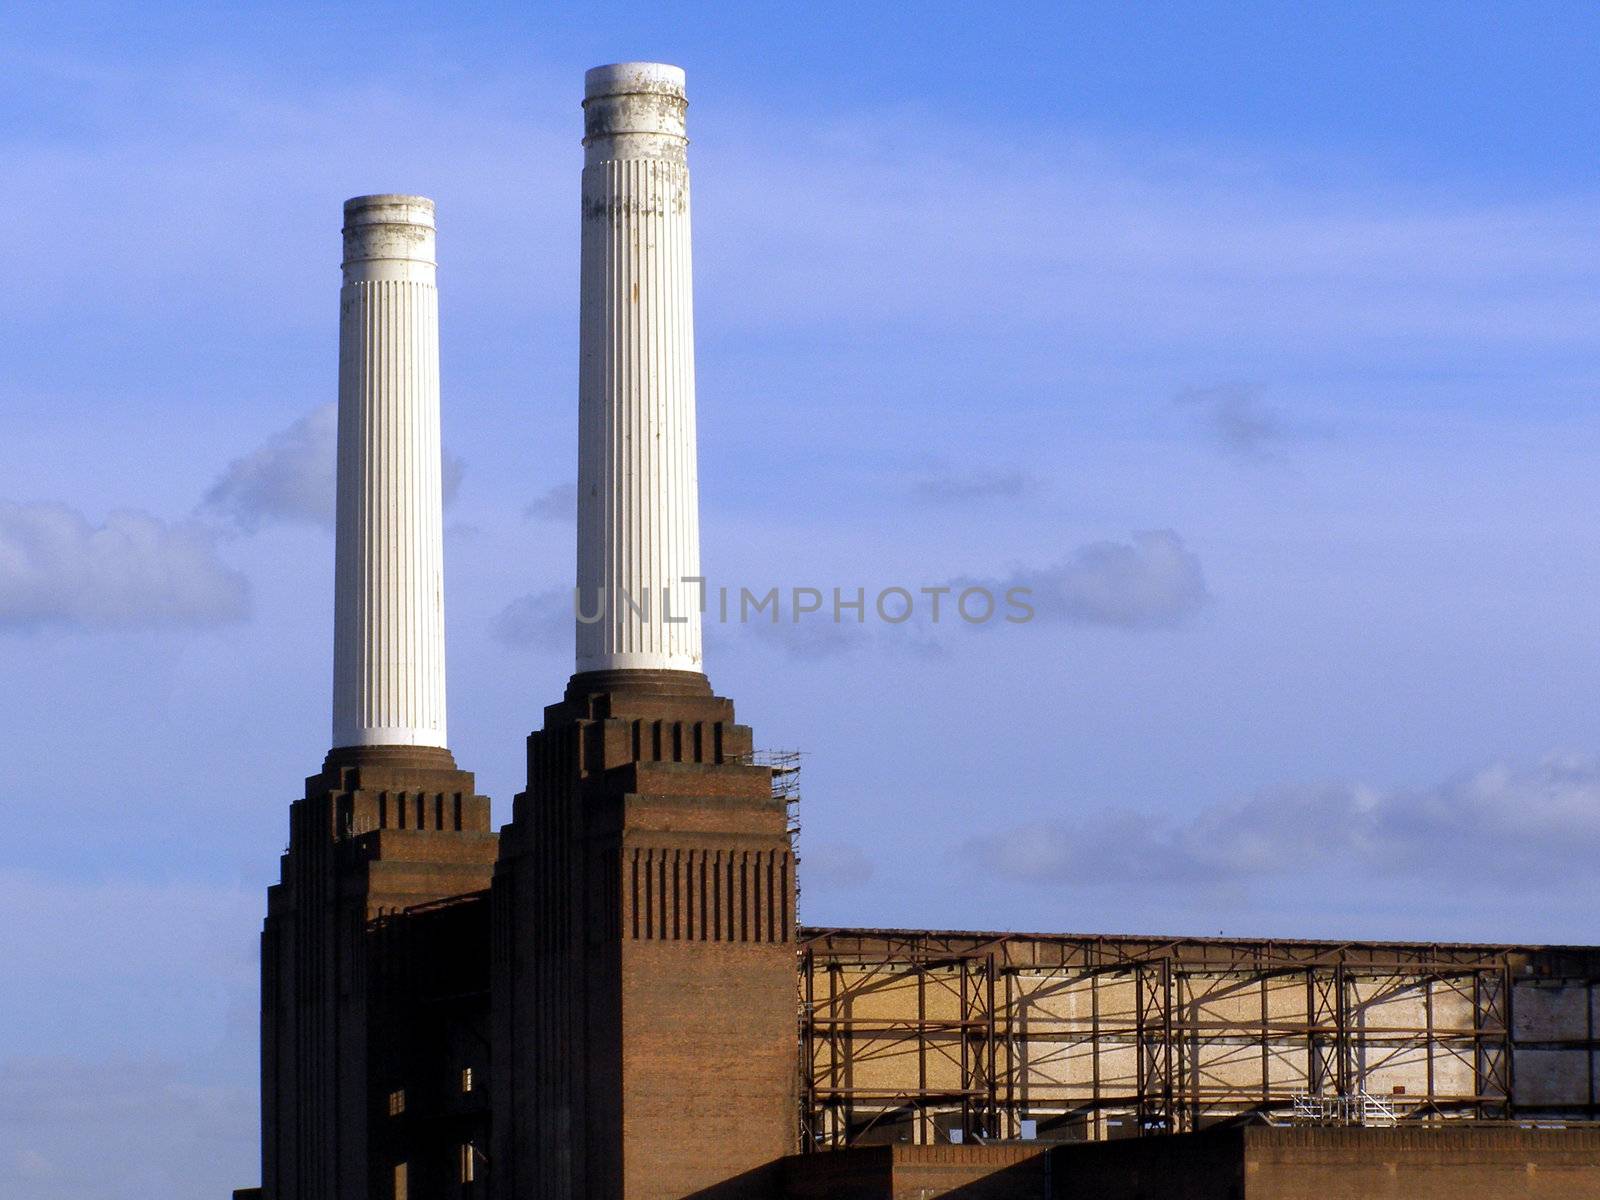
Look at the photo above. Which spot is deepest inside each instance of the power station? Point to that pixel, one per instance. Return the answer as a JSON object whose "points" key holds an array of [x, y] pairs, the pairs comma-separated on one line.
{"points": [[611, 998]]}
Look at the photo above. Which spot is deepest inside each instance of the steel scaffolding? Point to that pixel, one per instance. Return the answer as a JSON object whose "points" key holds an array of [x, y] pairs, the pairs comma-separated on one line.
{"points": [[908, 1035]]}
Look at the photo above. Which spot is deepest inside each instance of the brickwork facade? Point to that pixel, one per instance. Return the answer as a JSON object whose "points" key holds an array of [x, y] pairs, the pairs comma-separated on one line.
{"points": [[380, 832], [643, 966]]}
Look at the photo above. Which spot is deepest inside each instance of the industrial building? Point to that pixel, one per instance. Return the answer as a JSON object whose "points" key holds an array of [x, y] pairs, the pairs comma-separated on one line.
{"points": [[909, 1035], [610, 997]]}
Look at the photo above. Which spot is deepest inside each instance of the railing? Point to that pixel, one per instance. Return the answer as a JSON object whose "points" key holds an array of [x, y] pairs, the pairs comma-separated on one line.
{"points": [[1362, 1108]]}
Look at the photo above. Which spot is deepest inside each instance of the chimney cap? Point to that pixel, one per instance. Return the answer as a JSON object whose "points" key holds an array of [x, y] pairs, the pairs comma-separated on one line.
{"points": [[388, 228], [389, 208], [633, 78]]}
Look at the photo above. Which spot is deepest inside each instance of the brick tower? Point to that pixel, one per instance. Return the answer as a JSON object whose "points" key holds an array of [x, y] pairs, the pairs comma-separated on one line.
{"points": [[643, 967], [361, 1095]]}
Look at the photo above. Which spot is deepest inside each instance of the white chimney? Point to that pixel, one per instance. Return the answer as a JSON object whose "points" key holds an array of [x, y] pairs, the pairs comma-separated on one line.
{"points": [[388, 630], [638, 487]]}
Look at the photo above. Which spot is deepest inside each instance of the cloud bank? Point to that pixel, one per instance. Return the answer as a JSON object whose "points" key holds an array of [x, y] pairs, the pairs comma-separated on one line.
{"points": [[1509, 827], [1239, 424], [560, 503], [291, 478], [58, 569], [1153, 581], [288, 479], [538, 620], [965, 487]]}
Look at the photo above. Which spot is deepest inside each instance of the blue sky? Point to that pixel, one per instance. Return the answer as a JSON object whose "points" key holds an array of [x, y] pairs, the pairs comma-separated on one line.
{"points": [[1262, 343]]}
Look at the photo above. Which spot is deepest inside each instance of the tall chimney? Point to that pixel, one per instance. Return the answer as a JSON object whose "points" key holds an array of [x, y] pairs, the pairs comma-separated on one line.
{"points": [[390, 826], [638, 487], [644, 896], [388, 640]]}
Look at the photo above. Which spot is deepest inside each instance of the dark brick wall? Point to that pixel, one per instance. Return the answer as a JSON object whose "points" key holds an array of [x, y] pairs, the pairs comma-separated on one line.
{"points": [[1485, 1163], [1482, 1162], [1204, 1166], [919, 1173], [380, 831]]}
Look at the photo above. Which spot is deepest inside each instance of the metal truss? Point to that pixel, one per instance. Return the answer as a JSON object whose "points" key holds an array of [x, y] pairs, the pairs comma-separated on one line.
{"points": [[910, 1035]]}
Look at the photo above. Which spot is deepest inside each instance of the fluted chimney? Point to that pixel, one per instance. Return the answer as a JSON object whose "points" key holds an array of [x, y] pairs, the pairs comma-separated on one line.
{"points": [[638, 487], [388, 642], [644, 897], [390, 826]]}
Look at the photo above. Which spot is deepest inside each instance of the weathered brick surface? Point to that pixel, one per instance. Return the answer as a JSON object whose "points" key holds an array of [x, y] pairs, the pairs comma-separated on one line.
{"points": [[644, 990], [708, 1075]]}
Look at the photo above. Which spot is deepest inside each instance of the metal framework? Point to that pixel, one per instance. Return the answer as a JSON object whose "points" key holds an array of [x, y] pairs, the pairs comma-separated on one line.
{"points": [[908, 1035], [785, 767]]}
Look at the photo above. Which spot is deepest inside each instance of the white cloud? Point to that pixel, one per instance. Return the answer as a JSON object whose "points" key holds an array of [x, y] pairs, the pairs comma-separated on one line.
{"points": [[812, 639], [1238, 422], [984, 484], [452, 470], [539, 620], [1152, 582], [560, 503], [1507, 828], [291, 478], [57, 569]]}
